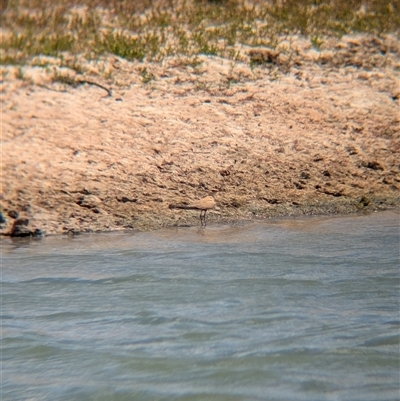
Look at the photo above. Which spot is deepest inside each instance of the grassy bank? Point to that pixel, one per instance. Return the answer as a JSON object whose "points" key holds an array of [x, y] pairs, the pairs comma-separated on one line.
{"points": [[152, 30]]}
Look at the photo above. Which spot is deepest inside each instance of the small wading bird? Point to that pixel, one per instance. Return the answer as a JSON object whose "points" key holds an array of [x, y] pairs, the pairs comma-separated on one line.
{"points": [[203, 205]]}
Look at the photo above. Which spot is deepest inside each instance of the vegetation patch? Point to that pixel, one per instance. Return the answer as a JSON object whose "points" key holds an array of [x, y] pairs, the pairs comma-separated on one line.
{"points": [[153, 30]]}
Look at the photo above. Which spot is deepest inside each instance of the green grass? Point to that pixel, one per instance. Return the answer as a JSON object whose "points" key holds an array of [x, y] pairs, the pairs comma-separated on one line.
{"points": [[150, 30]]}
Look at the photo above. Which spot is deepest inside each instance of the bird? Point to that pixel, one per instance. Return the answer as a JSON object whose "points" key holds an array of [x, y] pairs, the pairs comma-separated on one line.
{"points": [[202, 204]]}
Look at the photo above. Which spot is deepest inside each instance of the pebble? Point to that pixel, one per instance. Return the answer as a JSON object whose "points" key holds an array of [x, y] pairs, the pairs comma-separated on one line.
{"points": [[20, 229], [13, 214]]}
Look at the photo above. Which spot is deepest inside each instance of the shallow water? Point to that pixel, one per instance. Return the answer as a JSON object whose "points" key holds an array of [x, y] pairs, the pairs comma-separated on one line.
{"points": [[297, 309]]}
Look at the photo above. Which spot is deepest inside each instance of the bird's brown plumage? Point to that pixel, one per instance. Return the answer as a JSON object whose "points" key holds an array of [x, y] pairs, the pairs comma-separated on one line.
{"points": [[206, 203], [203, 205]]}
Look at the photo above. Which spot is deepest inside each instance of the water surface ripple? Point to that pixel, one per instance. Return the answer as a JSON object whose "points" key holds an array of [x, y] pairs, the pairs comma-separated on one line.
{"points": [[297, 309]]}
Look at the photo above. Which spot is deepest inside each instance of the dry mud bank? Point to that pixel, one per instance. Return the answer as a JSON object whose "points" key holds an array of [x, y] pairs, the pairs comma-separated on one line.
{"points": [[314, 133]]}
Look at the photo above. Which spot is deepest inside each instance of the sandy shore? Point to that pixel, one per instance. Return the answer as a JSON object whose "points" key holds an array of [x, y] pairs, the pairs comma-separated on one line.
{"points": [[321, 137]]}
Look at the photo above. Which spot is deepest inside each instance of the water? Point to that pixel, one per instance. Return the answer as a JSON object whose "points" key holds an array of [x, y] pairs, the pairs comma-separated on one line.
{"points": [[300, 309]]}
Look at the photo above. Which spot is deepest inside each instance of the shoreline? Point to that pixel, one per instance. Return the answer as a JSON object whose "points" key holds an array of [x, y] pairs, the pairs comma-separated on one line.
{"points": [[191, 221], [213, 224]]}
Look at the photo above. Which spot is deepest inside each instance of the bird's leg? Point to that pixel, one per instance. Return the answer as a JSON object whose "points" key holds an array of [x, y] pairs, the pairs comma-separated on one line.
{"points": [[203, 218]]}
